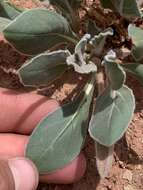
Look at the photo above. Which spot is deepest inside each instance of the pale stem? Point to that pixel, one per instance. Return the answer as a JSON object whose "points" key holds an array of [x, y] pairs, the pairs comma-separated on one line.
{"points": [[90, 85], [100, 82]]}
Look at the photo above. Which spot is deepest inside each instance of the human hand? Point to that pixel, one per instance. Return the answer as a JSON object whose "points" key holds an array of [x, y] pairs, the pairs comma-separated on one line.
{"points": [[19, 115]]}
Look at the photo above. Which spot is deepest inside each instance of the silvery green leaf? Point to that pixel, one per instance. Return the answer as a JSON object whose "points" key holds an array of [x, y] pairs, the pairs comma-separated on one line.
{"points": [[123, 7], [112, 115], [69, 9], [84, 68], [98, 41], [44, 68], [78, 59], [136, 34], [3, 23], [136, 69], [9, 11], [59, 137], [81, 47], [104, 159], [36, 30], [131, 8], [114, 71]]}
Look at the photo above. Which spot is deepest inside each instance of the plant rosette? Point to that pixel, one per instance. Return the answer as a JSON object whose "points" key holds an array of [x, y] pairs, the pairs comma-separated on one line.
{"points": [[40, 33]]}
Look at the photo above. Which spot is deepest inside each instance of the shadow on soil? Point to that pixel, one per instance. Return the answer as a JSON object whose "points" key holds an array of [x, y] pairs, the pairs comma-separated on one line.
{"points": [[126, 154]]}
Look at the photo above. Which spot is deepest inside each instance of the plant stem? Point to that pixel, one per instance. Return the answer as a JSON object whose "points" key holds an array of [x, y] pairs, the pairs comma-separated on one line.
{"points": [[100, 82], [90, 84], [104, 165]]}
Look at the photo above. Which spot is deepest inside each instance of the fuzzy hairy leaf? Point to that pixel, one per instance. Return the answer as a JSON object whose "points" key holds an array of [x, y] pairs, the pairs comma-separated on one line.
{"points": [[37, 30], [98, 41], [112, 115], [3, 23], [44, 68], [104, 158], [78, 59], [58, 138], [136, 69], [9, 11], [123, 7], [136, 34], [114, 71], [69, 9], [130, 8]]}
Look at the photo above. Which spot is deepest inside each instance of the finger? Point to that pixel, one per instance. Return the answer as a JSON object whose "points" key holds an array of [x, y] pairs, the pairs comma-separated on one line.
{"points": [[15, 172], [24, 173], [22, 111], [12, 145], [73, 172], [6, 178]]}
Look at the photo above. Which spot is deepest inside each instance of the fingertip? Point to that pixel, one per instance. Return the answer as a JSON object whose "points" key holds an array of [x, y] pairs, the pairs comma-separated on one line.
{"points": [[69, 174], [30, 109], [24, 173]]}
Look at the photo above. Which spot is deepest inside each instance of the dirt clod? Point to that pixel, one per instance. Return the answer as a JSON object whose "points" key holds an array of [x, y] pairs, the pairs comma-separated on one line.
{"points": [[128, 187], [128, 175]]}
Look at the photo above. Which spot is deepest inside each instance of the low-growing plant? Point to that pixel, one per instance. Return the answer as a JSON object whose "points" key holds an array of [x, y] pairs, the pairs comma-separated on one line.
{"points": [[90, 47]]}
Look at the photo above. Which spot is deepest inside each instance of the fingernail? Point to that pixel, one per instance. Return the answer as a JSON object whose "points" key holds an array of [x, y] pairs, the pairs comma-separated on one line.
{"points": [[24, 173]]}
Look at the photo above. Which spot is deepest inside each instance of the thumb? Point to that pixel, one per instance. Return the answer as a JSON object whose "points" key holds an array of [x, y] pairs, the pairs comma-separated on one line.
{"points": [[18, 174]]}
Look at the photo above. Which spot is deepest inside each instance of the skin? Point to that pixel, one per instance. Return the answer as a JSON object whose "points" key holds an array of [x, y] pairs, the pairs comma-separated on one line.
{"points": [[20, 112]]}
